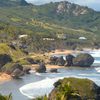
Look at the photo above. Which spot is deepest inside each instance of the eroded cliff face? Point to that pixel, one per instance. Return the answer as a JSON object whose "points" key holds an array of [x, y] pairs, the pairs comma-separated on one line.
{"points": [[66, 7]]}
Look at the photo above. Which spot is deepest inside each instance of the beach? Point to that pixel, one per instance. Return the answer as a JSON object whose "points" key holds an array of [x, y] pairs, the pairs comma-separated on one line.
{"points": [[29, 85], [4, 77]]}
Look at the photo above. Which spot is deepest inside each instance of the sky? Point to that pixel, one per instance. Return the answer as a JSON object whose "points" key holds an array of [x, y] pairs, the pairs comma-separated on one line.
{"points": [[94, 4]]}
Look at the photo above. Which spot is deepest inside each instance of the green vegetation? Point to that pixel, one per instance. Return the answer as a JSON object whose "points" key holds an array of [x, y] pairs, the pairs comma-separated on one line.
{"points": [[14, 53], [42, 98], [45, 22], [66, 92], [9, 97], [74, 89]]}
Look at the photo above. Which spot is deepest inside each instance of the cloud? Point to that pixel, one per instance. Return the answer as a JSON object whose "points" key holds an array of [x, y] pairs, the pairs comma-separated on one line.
{"points": [[95, 4]]}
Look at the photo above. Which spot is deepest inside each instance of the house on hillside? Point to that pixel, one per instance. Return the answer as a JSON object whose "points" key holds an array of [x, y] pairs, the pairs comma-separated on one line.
{"points": [[62, 36], [49, 39], [23, 36], [82, 38]]}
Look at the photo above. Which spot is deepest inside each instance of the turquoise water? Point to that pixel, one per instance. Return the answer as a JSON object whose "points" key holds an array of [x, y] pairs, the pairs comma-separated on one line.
{"points": [[36, 84]]}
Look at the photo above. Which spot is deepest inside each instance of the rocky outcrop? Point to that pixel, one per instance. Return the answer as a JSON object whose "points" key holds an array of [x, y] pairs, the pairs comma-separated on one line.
{"points": [[31, 61], [17, 73], [69, 60], [16, 70], [53, 60], [10, 67], [60, 61], [53, 70], [26, 70], [4, 58], [83, 60], [69, 8], [41, 68], [75, 89]]}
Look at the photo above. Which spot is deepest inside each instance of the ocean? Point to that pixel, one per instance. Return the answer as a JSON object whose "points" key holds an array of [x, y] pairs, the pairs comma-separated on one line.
{"points": [[36, 84]]}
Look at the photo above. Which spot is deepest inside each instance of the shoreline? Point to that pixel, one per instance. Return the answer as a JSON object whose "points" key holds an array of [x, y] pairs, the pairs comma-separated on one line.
{"points": [[4, 77]]}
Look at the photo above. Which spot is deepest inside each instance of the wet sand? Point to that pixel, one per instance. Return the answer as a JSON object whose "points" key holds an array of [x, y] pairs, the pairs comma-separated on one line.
{"points": [[4, 77]]}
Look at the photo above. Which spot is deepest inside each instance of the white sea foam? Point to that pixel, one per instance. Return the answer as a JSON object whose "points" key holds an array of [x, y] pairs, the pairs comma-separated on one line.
{"points": [[95, 53], [96, 62], [39, 88], [38, 74], [45, 86], [32, 71], [97, 69]]}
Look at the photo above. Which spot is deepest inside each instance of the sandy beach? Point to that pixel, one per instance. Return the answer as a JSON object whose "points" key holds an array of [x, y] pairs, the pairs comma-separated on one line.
{"points": [[53, 66], [4, 77], [66, 52]]}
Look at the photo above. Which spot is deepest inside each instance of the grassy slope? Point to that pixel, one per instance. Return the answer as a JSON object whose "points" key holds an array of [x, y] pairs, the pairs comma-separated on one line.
{"points": [[14, 15], [15, 54], [43, 21]]}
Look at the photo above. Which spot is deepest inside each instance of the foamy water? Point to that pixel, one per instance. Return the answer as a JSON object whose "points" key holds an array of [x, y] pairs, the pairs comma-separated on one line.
{"points": [[39, 88], [45, 86]]}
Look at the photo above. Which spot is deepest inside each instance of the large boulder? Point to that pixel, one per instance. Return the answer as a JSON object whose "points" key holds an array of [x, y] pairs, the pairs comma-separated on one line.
{"points": [[60, 61], [41, 68], [31, 61], [10, 67], [26, 70], [69, 60], [53, 70], [17, 73], [4, 58], [75, 89], [53, 60], [83, 60]]}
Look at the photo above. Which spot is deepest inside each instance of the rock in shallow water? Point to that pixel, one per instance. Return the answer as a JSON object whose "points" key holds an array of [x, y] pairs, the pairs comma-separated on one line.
{"points": [[83, 60], [53, 70], [41, 68]]}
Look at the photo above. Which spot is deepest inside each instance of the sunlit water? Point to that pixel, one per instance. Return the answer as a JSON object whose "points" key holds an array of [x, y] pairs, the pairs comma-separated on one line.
{"points": [[35, 84]]}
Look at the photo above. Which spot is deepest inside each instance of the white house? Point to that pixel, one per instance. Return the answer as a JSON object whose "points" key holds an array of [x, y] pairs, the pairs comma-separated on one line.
{"points": [[23, 36], [82, 38], [62, 36], [49, 39]]}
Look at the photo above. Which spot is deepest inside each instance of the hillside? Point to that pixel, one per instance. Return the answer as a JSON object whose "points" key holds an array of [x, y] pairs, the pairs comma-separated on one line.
{"points": [[14, 53], [9, 3], [48, 20]]}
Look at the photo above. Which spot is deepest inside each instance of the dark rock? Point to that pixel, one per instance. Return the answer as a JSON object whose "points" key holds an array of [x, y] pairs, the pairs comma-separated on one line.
{"points": [[83, 60], [17, 73], [26, 70], [12, 46], [53, 60], [83, 89], [26, 52], [30, 60], [4, 58], [53, 70], [60, 61], [10, 67], [69, 59], [41, 68]]}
